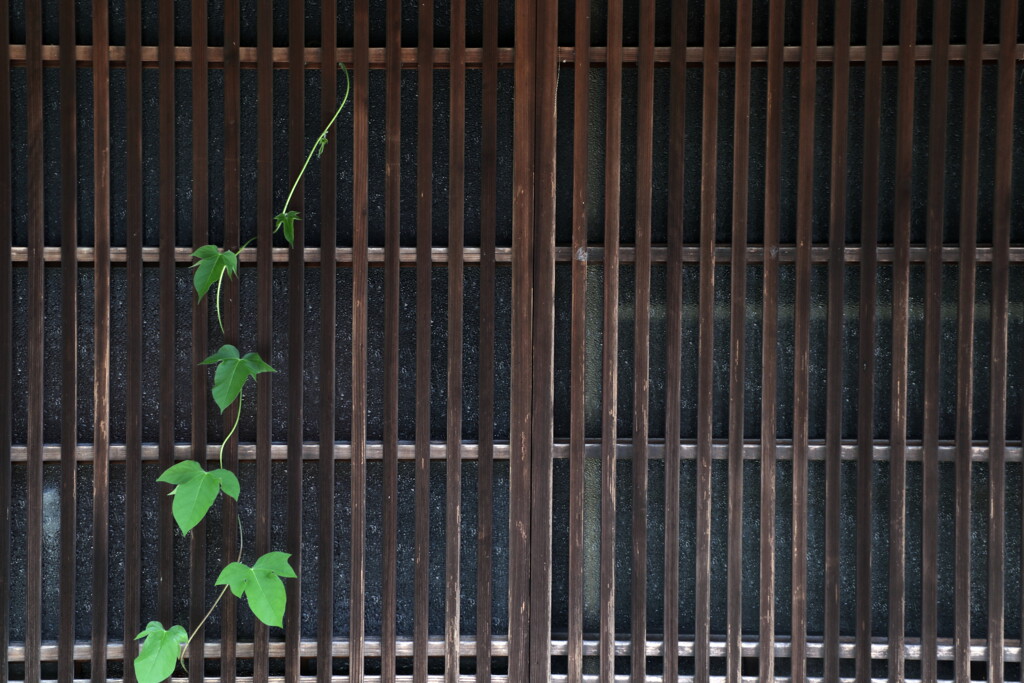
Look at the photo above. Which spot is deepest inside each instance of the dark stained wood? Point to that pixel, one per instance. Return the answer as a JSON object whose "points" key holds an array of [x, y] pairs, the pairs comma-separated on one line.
{"points": [[610, 336], [392, 218], [866, 336], [296, 336], [6, 325], [769, 339], [200, 236], [230, 311], [453, 459], [264, 303], [328, 364], [577, 389], [933, 326], [900, 327], [801, 341], [543, 340], [69, 346], [1002, 214], [673, 338], [101, 337], [965, 338], [836, 302], [737, 332], [168, 321], [488, 225], [706, 337], [360, 168], [641, 338], [424, 199], [521, 390], [35, 310], [133, 393]]}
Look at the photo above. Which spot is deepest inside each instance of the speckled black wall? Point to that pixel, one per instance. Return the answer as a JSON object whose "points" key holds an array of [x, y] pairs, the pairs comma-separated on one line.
{"points": [[407, 315]]}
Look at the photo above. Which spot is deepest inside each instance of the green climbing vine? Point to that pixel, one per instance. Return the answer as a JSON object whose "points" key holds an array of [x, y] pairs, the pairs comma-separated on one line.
{"points": [[196, 489]]}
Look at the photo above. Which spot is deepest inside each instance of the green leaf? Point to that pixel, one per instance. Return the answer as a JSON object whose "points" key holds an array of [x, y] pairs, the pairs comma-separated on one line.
{"points": [[211, 265], [193, 499], [228, 482], [159, 654], [232, 373], [276, 562], [181, 472], [287, 220], [195, 489], [261, 584]]}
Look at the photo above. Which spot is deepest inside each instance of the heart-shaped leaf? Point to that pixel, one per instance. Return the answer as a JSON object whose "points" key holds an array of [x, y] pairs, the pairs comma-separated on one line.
{"points": [[212, 263], [261, 584], [159, 652], [232, 373], [286, 220], [195, 489]]}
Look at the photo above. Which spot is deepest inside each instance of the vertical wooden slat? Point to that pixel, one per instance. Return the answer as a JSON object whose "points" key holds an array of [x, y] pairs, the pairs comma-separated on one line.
{"points": [[641, 336], [577, 389], [1002, 214], [360, 168], [391, 292], [230, 309], [200, 236], [706, 336], [34, 305], [6, 356], [933, 326], [133, 394], [836, 303], [900, 326], [610, 338], [965, 338], [296, 338], [453, 458], [101, 333], [424, 199], [521, 390], [69, 342], [769, 336], [264, 301], [168, 322], [488, 225], [737, 331], [543, 339], [328, 337], [802, 337], [866, 349], [673, 337]]}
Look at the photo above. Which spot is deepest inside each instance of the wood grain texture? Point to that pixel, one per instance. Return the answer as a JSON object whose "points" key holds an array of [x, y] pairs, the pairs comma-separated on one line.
{"points": [[69, 347], [933, 325], [769, 339], [969, 182], [836, 302], [6, 353]]}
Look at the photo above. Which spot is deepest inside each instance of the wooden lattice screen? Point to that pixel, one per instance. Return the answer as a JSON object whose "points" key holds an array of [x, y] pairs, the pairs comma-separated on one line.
{"points": [[668, 339]]}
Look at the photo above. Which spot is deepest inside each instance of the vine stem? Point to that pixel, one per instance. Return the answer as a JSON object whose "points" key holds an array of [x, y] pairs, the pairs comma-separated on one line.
{"points": [[234, 428], [220, 281], [320, 140], [184, 649]]}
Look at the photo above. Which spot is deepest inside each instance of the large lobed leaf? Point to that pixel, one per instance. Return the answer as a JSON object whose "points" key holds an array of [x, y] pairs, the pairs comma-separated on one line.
{"points": [[261, 585], [195, 489], [156, 660], [233, 370], [210, 266]]}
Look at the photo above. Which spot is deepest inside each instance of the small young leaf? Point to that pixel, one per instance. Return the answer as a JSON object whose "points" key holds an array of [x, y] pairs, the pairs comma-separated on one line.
{"points": [[212, 263], [287, 220], [156, 660], [228, 482]]}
